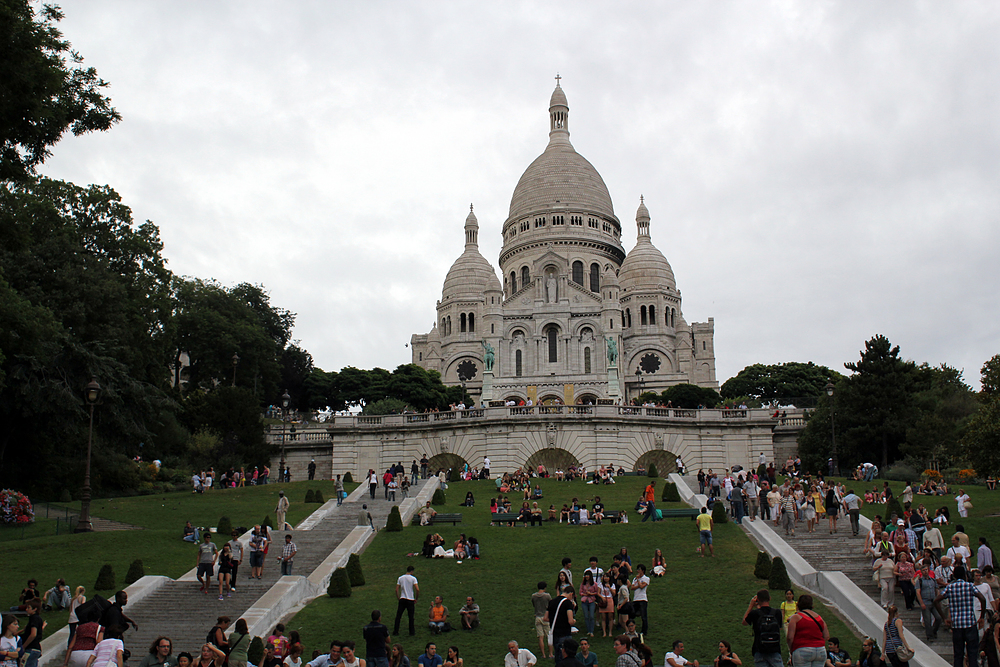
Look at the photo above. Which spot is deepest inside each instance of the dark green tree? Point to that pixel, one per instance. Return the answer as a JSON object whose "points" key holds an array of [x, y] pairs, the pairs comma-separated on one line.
{"points": [[256, 651], [942, 412], [135, 572], [782, 384], [354, 572], [394, 524], [225, 527], [438, 497], [719, 514], [105, 578], [980, 444], [670, 494], [691, 396], [762, 570], [296, 367], [340, 584], [778, 579], [652, 472], [233, 416], [309, 496], [44, 89]]}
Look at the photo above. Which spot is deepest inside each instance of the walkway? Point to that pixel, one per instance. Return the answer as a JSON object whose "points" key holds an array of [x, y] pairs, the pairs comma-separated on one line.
{"points": [[841, 552], [180, 611]]}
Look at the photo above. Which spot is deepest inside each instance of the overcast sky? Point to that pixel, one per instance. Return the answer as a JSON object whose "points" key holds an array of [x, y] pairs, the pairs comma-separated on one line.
{"points": [[816, 173]]}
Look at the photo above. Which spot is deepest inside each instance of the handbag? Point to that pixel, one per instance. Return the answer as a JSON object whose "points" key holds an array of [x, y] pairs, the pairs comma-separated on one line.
{"points": [[904, 654], [968, 505]]}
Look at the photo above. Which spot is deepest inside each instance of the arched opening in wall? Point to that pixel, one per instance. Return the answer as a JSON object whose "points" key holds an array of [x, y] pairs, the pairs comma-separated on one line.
{"points": [[449, 325], [517, 399], [628, 317], [665, 462], [525, 276], [578, 272], [586, 360], [550, 399], [472, 323], [595, 278], [462, 322], [518, 364], [586, 399], [446, 462], [552, 335], [513, 282], [652, 315], [552, 458], [642, 316]]}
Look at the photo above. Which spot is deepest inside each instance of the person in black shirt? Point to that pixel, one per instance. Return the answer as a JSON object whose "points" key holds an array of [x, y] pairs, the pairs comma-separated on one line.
{"points": [[377, 641], [31, 638], [560, 616], [114, 615], [766, 623]]}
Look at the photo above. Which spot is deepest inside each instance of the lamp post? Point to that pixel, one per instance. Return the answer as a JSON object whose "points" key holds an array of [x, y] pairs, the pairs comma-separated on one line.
{"points": [[285, 402], [462, 379], [833, 427], [92, 394], [236, 362], [638, 383]]}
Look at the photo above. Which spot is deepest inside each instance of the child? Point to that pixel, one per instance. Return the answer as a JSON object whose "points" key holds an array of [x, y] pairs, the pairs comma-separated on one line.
{"points": [[294, 658], [789, 607]]}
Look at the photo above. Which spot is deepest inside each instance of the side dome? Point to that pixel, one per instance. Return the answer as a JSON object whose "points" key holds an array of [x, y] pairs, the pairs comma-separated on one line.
{"points": [[560, 178], [645, 267], [471, 274]]}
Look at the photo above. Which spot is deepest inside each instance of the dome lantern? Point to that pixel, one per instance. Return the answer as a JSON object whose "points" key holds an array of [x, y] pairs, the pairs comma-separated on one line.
{"points": [[471, 230]]}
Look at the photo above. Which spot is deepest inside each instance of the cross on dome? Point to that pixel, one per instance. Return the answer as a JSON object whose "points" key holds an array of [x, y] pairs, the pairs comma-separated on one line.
{"points": [[558, 78]]}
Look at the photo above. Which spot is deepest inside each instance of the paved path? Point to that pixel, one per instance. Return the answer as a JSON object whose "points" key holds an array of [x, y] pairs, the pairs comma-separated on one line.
{"points": [[180, 611], [841, 552]]}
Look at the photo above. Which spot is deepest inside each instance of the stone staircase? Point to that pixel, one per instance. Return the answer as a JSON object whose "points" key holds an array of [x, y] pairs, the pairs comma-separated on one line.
{"points": [[842, 552], [178, 609]]}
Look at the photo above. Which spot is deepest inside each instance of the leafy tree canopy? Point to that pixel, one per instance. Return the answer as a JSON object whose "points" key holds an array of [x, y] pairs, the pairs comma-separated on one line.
{"points": [[691, 396], [780, 383], [44, 89]]}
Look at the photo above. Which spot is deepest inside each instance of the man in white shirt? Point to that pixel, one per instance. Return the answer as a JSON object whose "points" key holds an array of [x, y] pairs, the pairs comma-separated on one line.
{"points": [[407, 592], [753, 497], [852, 507], [518, 657], [960, 556], [640, 600], [675, 659], [486, 467], [961, 499], [595, 571]]}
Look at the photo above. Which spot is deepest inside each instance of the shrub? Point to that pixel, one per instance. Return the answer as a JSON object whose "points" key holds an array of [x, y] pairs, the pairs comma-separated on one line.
{"points": [[310, 497], [105, 578], [65, 496], [354, 572], [348, 477], [932, 475], [318, 497], [438, 498], [670, 494], [763, 568], [394, 524], [340, 584], [892, 507], [15, 508], [225, 527], [135, 572], [652, 471], [778, 580], [454, 475], [762, 472], [900, 471], [256, 651], [719, 514], [267, 522]]}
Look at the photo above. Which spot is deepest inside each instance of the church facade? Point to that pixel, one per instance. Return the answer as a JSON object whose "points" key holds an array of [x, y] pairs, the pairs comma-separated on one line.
{"points": [[573, 318]]}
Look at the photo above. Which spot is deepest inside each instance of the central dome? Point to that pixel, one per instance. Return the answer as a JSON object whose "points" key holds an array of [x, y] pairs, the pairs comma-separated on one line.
{"points": [[560, 178]]}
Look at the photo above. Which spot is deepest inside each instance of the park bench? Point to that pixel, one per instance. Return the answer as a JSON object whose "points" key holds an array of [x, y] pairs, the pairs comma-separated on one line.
{"points": [[679, 512], [501, 518], [440, 517]]}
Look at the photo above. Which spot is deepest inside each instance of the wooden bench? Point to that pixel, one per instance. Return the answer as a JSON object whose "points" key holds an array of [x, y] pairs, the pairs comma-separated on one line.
{"points": [[508, 517], [679, 512], [440, 517]]}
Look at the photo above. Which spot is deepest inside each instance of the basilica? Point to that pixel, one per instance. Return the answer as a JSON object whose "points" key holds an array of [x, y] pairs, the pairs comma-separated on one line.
{"points": [[574, 319]]}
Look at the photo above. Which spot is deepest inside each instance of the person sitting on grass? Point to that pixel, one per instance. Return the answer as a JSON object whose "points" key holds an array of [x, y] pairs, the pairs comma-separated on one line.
{"points": [[835, 656], [190, 533], [674, 657], [430, 658], [470, 614], [438, 616], [57, 597]]}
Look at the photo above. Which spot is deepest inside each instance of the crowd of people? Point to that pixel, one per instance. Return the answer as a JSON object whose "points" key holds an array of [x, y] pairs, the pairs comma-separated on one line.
{"points": [[206, 480]]}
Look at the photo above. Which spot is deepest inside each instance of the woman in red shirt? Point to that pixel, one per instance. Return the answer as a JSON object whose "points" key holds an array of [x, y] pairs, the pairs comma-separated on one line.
{"points": [[807, 636]]}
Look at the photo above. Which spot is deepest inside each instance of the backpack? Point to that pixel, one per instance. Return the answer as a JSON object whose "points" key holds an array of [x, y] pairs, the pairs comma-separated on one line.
{"points": [[92, 610], [768, 629]]}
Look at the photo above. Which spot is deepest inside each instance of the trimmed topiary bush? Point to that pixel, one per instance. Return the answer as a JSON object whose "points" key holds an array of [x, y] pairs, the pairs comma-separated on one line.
{"points": [[65, 496], [354, 572], [762, 472], [105, 578], [438, 498], [225, 527], [778, 580], [318, 497], [348, 477], [340, 584], [255, 651], [135, 572], [893, 507], [719, 514], [394, 524], [670, 493], [652, 471], [763, 568], [454, 475], [310, 497], [267, 522]]}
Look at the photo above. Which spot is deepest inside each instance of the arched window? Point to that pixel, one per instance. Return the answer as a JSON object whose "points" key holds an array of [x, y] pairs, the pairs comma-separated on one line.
{"points": [[551, 333], [513, 282], [595, 278], [586, 360], [472, 322], [517, 363], [578, 272], [449, 325], [462, 321], [444, 326], [673, 314], [642, 317], [525, 276], [628, 317], [623, 319], [652, 315]]}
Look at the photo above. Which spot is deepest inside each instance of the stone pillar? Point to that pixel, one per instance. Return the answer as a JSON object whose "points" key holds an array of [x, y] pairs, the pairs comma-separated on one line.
{"points": [[614, 389], [487, 394]]}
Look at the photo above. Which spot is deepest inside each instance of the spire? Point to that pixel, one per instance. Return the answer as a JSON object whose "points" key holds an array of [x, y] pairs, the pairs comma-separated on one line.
{"points": [[642, 221], [558, 115], [471, 230]]}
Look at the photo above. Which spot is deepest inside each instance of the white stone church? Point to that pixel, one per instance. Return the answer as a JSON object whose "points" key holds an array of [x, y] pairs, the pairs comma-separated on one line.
{"points": [[575, 320]]}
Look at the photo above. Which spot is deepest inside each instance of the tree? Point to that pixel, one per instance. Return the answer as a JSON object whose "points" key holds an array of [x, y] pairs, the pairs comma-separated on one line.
{"points": [[232, 415], [981, 441], [778, 578], [394, 524], [296, 367], [41, 94], [990, 378], [781, 384], [691, 396], [943, 409]]}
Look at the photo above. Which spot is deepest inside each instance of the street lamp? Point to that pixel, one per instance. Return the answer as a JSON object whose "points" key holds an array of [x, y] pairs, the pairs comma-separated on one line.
{"points": [[92, 394], [286, 400], [833, 427], [638, 383], [462, 379], [236, 362]]}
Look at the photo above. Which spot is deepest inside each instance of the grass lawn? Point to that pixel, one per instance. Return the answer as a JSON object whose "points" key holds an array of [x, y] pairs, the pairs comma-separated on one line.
{"points": [[78, 558], [700, 600]]}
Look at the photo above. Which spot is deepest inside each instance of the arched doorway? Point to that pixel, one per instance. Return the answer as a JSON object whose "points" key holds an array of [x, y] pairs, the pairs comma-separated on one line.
{"points": [[586, 399], [446, 462], [552, 458], [550, 399], [665, 462]]}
